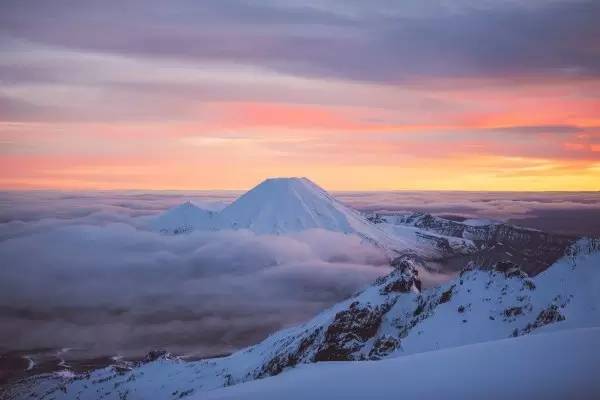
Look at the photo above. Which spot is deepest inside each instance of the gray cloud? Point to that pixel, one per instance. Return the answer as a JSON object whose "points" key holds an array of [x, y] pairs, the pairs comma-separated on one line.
{"points": [[97, 280], [381, 42], [539, 129], [80, 269], [567, 212]]}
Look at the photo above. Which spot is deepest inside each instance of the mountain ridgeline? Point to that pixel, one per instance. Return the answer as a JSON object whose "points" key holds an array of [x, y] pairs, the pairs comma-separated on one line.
{"points": [[282, 206], [531, 249]]}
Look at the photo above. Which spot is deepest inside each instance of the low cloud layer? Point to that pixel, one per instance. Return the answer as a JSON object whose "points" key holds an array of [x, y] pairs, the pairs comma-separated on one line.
{"points": [[82, 270], [575, 213], [97, 280]]}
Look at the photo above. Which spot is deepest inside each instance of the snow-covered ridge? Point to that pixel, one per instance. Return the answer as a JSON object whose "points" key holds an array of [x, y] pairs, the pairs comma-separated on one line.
{"points": [[479, 305], [491, 241], [391, 318], [476, 230], [552, 366]]}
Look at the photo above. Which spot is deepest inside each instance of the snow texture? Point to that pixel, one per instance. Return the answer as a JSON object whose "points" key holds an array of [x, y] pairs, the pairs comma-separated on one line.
{"points": [[559, 365]]}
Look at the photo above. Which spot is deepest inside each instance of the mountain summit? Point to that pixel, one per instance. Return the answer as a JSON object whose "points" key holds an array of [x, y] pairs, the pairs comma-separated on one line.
{"points": [[277, 206], [186, 217], [286, 205]]}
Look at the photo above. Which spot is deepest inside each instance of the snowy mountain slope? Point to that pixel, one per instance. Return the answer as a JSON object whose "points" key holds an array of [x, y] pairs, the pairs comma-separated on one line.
{"points": [[289, 205], [186, 217], [433, 245], [392, 318], [557, 365], [285, 205]]}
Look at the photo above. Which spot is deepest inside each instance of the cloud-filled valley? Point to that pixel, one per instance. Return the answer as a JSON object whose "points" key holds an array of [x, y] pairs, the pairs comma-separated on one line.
{"points": [[95, 279], [83, 270]]}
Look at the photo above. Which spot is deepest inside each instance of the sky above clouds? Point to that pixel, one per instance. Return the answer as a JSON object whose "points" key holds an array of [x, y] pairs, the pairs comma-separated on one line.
{"points": [[480, 95]]}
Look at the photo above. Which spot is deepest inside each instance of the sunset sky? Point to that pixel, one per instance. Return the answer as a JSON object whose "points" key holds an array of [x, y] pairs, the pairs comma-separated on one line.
{"points": [[361, 95]]}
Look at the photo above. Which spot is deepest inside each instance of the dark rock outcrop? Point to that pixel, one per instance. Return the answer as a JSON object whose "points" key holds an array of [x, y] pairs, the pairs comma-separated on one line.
{"points": [[531, 249], [349, 330]]}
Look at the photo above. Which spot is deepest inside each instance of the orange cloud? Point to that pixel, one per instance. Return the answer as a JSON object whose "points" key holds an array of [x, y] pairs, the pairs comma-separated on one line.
{"points": [[423, 137]]}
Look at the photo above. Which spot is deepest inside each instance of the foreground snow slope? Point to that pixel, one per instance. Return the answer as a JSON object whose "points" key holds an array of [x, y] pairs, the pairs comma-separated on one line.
{"points": [[560, 365]]}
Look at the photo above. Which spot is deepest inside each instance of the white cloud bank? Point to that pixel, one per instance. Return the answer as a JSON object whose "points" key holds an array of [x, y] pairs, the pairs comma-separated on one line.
{"points": [[93, 279]]}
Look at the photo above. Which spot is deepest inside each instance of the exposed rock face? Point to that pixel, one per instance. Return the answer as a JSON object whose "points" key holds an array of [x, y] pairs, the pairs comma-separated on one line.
{"points": [[548, 316], [349, 332], [441, 244], [531, 249], [404, 278], [393, 314], [154, 355], [375, 323], [383, 347], [285, 360], [510, 270]]}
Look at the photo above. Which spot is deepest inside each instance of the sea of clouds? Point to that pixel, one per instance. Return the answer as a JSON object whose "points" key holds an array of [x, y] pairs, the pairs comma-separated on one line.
{"points": [[83, 270]]}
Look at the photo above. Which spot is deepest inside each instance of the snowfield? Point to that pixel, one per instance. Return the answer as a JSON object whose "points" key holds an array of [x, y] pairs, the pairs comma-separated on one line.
{"points": [[559, 365]]}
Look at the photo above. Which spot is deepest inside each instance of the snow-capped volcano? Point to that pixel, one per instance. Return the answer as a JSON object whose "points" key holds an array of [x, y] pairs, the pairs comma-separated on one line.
{"points": [[279, 206], [284, 205], [287, 205]]}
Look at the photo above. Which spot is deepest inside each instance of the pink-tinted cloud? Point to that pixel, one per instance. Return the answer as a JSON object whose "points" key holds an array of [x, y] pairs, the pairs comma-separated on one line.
{"points": [[347, 95]]}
